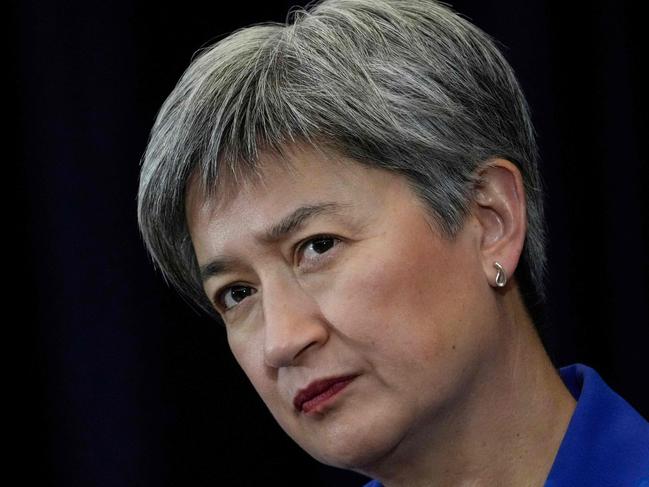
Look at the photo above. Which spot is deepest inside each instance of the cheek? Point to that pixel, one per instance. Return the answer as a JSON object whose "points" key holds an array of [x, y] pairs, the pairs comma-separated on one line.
{"points": [[248, 352], [405, 295]]}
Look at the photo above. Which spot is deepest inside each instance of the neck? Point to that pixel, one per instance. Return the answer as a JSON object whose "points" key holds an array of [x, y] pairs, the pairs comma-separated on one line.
{"points": [[505, 430]]}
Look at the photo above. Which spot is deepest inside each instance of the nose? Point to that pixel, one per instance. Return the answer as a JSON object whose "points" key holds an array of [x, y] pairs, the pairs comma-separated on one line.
{"points": [[293, 323]]}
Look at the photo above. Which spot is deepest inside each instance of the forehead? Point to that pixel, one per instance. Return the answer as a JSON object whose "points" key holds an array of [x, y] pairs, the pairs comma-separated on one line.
{"points": [[304, 176]]}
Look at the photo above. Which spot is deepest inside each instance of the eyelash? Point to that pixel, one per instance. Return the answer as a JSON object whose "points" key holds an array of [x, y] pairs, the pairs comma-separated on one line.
{"points": [[221, 293], [302, 246]]}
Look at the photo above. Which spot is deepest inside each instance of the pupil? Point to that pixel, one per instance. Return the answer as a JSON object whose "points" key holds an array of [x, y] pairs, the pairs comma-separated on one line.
{"points": [[322, 245], [239, 292]]}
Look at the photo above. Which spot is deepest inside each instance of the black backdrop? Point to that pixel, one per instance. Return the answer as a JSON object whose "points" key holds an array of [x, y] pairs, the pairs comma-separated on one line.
{"points": [[118, 382]]}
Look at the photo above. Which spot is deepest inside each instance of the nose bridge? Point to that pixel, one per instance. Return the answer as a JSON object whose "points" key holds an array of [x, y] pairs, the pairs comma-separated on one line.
{"points": [[292, 321]]}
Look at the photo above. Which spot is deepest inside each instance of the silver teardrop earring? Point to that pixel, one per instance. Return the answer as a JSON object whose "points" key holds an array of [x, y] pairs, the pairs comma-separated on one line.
{"points": [[501, 276]]}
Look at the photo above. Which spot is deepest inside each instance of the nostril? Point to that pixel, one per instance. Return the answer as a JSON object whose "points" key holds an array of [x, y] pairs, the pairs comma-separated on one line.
{"points": [[286, 344]]}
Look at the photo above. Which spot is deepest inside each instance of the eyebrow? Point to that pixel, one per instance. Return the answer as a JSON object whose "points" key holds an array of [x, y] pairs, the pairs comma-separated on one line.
{"points": [[277, 232]]}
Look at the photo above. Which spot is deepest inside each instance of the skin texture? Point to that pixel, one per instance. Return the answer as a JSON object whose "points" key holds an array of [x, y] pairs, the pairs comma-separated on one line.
{"points": [[451, 382]]}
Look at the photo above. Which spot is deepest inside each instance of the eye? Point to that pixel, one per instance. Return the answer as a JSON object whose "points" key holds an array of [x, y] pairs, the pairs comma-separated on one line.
{"points": [[233, 295], [313, 248]]}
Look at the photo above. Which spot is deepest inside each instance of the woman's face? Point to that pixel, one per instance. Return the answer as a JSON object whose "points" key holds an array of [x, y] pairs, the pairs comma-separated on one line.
{"points": [[356, 322]]}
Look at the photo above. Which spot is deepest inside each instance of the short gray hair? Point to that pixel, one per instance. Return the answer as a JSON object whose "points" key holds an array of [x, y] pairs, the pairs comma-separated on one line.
{"points": [[404, 85]]}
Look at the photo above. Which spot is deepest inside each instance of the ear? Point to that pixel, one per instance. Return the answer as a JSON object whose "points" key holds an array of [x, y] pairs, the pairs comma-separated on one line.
{"points": [[501, 214]]}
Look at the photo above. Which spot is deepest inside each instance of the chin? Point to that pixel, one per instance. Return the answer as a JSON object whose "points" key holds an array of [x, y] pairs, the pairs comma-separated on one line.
{"points": [[357, 447]]}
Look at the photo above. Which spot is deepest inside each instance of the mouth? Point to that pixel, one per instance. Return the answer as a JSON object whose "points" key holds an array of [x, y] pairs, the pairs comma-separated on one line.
{"points": [[320, 392]]}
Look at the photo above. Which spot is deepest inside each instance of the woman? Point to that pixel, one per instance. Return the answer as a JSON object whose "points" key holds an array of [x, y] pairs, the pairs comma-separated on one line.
{"points": [[356, 196]]}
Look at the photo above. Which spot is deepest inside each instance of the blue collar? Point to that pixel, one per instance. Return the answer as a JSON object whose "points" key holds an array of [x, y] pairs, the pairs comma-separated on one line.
{"points": [[607, 441]]}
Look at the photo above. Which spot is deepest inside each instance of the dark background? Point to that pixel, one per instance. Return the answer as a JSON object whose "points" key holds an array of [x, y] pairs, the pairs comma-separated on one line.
{"points": [[118, 382]]}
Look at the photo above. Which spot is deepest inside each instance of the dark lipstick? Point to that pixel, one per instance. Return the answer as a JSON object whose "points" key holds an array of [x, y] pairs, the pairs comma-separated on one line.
{"points": [[320, 391]]}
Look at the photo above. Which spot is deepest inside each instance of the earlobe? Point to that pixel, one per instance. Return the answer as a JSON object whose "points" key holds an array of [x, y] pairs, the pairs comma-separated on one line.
{"points": [[499, 208]]}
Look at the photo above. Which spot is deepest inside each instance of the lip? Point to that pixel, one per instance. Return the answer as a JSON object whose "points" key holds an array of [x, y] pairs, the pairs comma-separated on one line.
{"points": [[319, 392]]}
